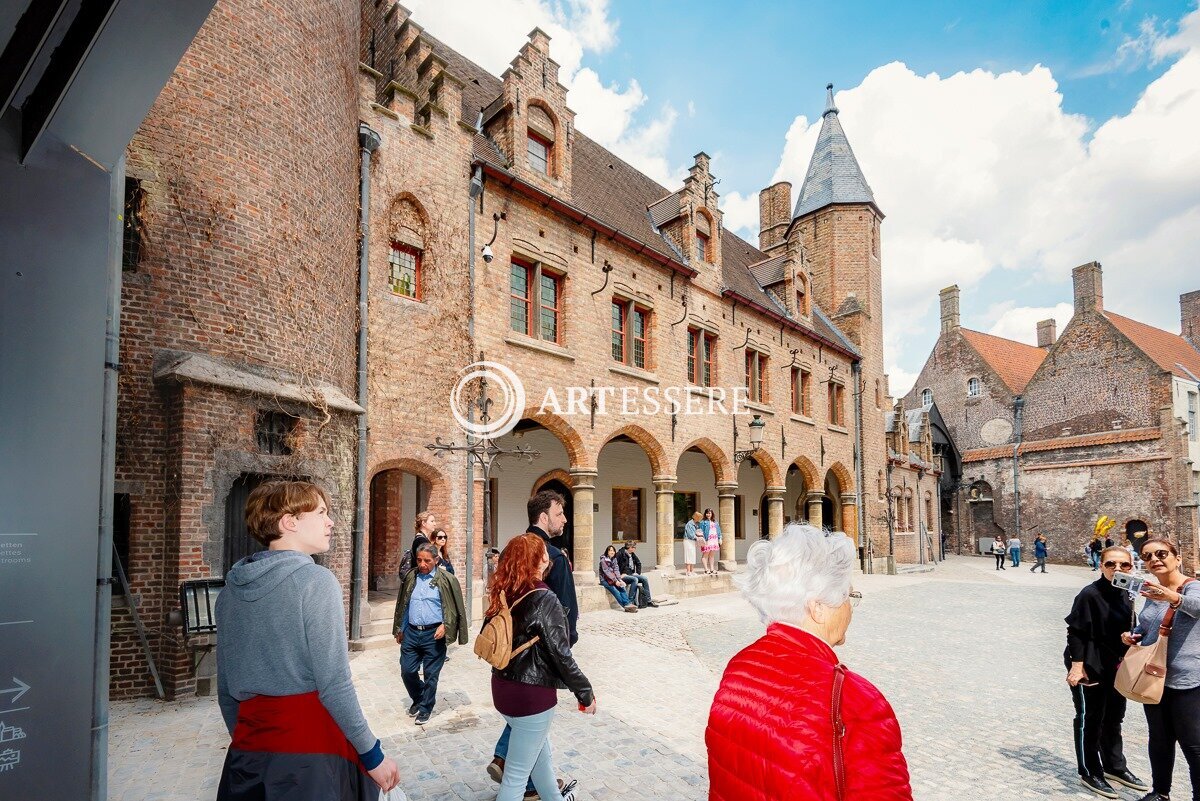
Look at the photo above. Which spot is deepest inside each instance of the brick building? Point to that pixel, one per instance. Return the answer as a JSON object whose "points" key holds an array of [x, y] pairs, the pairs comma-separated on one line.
{"points": [[1098, 421], [239, 344]]}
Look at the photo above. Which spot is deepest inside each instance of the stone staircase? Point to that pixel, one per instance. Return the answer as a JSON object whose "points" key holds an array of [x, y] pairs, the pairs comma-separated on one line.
{"points": [[377, 623]]}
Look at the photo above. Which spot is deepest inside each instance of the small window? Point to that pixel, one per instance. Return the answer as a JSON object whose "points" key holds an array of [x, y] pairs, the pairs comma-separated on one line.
{"points": [[618, 331], [756, 376], [630, 332], [531, 287], [550, 297], [929, 510], [973, 388], [404, 271], [274, 432], [540, 151], [1193, 435], [908, 510], [926, 397], [837, 397], [802, 307], [702, 252], [520, 293], [131, 228], [801, 392], [702, 357]]}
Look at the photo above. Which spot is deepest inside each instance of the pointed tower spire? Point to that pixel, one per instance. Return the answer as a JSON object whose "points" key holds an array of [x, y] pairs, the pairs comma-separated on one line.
{"points": [[833, 174]]}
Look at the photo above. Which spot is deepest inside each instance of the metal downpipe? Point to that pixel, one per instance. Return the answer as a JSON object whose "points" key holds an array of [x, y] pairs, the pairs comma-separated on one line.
{"points": [[368, 141]]}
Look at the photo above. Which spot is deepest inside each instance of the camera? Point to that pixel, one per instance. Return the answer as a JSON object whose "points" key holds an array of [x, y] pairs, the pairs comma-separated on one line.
{"points": [[1130, 583], [487, 254]]}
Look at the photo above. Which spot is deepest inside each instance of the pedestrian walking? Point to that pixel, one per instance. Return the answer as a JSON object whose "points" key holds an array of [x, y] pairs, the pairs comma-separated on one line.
{"points": [[691, 530], [442, 540], [1173, 601], [1095, 549], [999, 551], [610, 579], [430, 614], [631, 573], [710, 531], [524, 692], [789, 722], [1099, 615], [424, 526], [1040, 551], [283, 670], [547, 519], [1014, 550]]}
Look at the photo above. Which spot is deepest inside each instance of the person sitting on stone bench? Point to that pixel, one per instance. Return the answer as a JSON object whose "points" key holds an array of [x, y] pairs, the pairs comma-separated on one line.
{"points": [[630, 567], [610, 579]]}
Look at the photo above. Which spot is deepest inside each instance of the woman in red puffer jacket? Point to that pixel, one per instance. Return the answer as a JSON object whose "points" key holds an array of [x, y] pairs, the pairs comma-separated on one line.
{"points": [[773, 729]]}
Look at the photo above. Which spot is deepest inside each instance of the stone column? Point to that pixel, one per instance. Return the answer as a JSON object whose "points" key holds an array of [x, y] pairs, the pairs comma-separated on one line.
{"points": [[850, 517], [775, 511], [583, 494], [725, 510], [664, 523], [813, 499]]}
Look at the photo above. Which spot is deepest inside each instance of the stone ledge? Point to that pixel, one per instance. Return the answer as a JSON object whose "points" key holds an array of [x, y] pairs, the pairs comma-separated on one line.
{"points": [[539, 346]]}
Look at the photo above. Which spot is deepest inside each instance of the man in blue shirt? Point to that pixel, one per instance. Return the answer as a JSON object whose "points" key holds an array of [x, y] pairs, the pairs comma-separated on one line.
{"points": [[429, 613], [1040, 551]]}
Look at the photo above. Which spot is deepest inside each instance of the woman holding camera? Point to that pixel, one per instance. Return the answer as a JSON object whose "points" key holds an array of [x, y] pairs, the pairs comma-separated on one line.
{"points": [[1095, 629], [1175, 719]]}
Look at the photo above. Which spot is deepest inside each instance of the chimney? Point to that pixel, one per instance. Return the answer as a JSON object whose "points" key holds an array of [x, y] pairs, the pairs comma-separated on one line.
{"points": [[774, 214], [1089, 287], [1047, 332], [1189, 317], [949, 299]]}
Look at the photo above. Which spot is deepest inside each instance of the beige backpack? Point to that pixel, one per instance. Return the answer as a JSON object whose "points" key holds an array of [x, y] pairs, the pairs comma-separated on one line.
{"points": [[494, 643]]}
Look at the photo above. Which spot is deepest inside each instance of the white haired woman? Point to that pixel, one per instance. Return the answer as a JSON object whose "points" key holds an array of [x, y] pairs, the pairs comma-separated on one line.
{"points": [[789, 721]]}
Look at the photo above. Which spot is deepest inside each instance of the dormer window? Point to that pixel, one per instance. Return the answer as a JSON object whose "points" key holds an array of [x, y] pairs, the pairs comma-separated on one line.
{"points": [[926, 397], [802, 308], [539, 143]]}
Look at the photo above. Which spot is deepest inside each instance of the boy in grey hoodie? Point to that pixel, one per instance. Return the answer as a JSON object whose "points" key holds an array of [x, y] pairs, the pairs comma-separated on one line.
{"points": [[283, 673]]}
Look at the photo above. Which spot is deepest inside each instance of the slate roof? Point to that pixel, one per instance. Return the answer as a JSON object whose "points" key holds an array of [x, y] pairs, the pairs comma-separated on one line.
{"points": [[1169, 351], [619, 195], [1064, 443], [833, 174], [769, 271], [915, 420], [1014, 362]]}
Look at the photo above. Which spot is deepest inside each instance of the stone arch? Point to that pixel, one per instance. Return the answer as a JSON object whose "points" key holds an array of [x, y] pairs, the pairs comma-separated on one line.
{"points": [[577, 454], [808, 470], [557, 474], [772, 475], [722, 467], [389, 526], [845, 478], [649, 444], [424, 470], [407, 212]]}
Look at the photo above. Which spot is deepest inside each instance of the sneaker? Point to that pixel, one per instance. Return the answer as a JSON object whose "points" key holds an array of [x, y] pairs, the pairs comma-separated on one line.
{"points": [[412, 711], [1126, 778], [1098, 786], [423, 718], [495, 769], [653, 603], [1152, 796], [631, 608], [563, 789]]}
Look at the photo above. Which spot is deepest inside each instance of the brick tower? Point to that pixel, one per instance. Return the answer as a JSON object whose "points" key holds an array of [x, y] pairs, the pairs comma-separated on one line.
{"points": [[836, 223]]}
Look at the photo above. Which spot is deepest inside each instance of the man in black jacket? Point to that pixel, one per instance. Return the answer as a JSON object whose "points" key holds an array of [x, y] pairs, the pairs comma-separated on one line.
{"points": [[547, 520], [631, 573]]}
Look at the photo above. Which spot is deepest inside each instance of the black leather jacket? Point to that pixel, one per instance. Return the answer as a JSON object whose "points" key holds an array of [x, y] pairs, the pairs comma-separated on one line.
{"points": [[549, 663], [628, 562]]}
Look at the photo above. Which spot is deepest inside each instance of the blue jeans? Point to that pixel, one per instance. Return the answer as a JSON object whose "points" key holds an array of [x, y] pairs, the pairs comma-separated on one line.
{"points": [[501, 750], [618, 593], [528, 758], [1094, 559], [421, 652], [1015, 553], [635, 581]]}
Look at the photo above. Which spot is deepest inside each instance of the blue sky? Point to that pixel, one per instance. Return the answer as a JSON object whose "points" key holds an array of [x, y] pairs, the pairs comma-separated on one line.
{"points": [[1006, 142]]}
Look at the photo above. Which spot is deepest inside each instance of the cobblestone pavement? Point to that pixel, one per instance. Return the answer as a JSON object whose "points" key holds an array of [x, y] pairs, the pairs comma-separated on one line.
{"points": [[970, 658]]}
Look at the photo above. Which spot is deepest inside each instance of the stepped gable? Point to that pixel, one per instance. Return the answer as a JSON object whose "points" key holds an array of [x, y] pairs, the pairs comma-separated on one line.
{"points": [[619, 195], [1169, 351], [1014, 362]]}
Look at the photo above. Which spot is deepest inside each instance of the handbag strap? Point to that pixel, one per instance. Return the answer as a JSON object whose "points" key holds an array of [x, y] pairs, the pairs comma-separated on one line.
{"points": [[1164, 628], [839, 731]]}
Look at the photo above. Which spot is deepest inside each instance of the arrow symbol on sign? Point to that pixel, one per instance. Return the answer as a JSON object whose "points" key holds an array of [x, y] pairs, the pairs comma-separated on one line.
{"points": [[20, 690]]}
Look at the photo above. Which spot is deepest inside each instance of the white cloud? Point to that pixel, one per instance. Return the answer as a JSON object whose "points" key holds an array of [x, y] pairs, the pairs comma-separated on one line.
{"points": [[986, 180], [740, 215], [900, 381], [491, 32], [1020, 322]]}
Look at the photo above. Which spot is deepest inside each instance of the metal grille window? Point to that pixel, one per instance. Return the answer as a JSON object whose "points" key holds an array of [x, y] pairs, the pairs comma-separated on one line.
{"points": [[640, 317], [404, 271], [630, 333], [702, 356], [618, 331], [518, 307], [131, 229], [273, 431], [702, 248], [532, 288], [550, 286]]}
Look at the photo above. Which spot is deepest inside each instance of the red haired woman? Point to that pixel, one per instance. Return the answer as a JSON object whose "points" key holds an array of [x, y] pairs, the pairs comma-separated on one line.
{"points": [[525, 692]]}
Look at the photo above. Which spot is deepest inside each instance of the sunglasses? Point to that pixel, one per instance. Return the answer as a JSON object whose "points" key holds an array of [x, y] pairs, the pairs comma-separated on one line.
{"points": [[1110, 564], [440, 537], [1159, 555]]}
